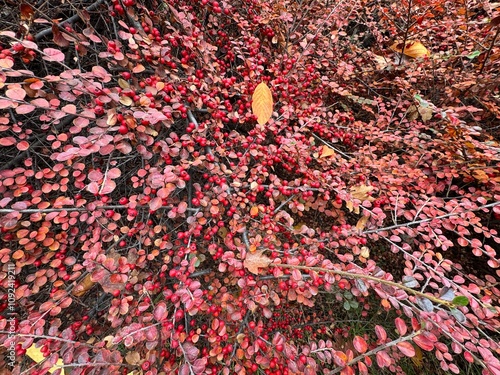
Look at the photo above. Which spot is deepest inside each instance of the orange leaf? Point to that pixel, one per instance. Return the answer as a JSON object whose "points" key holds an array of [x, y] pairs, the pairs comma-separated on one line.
{"points": [[262, 103], [254, 211], [254, 261], [326, 152], [412, 49]]}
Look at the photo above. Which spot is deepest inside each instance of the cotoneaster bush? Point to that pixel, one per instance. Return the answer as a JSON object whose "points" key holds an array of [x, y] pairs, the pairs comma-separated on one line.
{"points": [[157, 228]]}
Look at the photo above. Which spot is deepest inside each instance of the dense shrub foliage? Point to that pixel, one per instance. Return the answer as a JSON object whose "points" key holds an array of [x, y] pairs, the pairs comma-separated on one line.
{"points": [[156, 227]]}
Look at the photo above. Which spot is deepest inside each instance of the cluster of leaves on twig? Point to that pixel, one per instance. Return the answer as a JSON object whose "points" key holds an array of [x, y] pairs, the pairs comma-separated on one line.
{"points": [[205, 187]]}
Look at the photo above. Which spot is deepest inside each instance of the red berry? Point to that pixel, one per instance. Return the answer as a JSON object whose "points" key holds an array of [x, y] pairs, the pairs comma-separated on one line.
{"points": [[123, 129]]}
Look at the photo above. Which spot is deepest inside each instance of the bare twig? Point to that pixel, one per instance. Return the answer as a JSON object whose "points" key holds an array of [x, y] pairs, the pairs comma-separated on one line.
{"points": [[70, 20], [430, 219]]}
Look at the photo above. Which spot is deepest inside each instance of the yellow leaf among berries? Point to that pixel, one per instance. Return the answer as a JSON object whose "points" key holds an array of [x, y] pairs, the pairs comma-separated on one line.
{"points": [[361, 192], [262, 103], [412, 49], [326, 152], [360, 225], [36, 355]]}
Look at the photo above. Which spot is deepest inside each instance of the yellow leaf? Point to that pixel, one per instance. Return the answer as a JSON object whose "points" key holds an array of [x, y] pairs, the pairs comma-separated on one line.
{"points": [[326, 152], [417, 358], [254, 261], [412, 49], [365, 252], [425, 113], [36, 355], [360, 225], [361, 192], [133, 358], [262, 103], [126, 100], [123, 84]]}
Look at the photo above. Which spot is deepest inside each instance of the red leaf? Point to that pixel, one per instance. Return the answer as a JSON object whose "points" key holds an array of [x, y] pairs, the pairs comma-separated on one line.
{"points": [[340, 358], [401, 326], [23, 146], [423, 342], [7, 141], [406, 348], [383, 359], [362, 369], [360, 344], [380, 332]]}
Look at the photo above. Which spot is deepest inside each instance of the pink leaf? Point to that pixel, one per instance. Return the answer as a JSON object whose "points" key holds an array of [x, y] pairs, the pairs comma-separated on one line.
{"points": [[124, 147], [95, 175], [52, 54], [93, 187], [406, 348], [360, 344], [160, 312], [41, 103], [15, 93], [4, 103], [108, 187], [23, 146], [6, 63], [380, 332], [7, 141], [199, 365], [114, 173], [401, 326], [25, 108], [101, 73], [191, 351], [155, 203], [383, 359], [69, 108]]}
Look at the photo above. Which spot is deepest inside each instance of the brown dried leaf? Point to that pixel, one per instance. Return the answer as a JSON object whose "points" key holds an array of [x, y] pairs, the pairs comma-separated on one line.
{"points": [[83, 286], [262, 103], [361, 192], [254, 261]]}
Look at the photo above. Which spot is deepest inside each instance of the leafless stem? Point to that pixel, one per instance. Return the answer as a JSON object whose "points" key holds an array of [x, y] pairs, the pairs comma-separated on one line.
{"points": [[429, 219], [70, 20], [407, 29], [489, 50]]}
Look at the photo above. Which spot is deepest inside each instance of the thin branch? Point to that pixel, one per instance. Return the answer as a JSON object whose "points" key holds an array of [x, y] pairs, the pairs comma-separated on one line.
{"points": [[352, 275], [377, 349], [70, 20], [83, 209], [64, 122], [405, 38], [430, 219]]}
